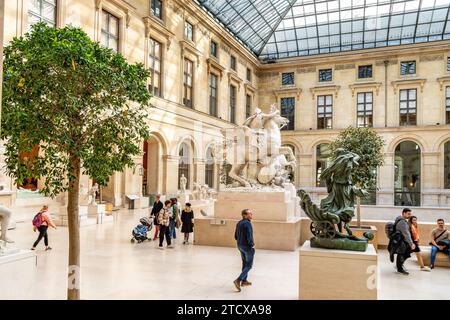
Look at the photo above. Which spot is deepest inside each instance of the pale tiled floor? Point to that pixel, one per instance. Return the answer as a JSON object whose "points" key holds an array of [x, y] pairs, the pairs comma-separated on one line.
{"points": [[113, 268]]}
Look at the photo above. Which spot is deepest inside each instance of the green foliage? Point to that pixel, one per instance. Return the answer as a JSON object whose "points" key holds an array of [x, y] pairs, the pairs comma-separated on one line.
{"points": [[75, 99], [366, 143]]}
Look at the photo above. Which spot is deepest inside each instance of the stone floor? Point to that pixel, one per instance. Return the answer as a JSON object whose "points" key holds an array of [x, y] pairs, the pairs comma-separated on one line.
{"points": [[114, 268]]}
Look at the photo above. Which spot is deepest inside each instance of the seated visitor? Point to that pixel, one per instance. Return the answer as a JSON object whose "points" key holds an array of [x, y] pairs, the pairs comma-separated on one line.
{"points": [[416, 238], [440, 241]]}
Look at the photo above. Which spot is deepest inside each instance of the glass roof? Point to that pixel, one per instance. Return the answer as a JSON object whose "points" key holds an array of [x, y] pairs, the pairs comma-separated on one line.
{"points": [[275, 29]]}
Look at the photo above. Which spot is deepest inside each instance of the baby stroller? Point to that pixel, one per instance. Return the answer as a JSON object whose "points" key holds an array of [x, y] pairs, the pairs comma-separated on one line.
{"points": [[140, 231]]}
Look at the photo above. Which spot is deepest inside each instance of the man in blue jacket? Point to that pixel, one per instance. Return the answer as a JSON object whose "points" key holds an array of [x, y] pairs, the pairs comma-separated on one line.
{"points": [[245, 244]]}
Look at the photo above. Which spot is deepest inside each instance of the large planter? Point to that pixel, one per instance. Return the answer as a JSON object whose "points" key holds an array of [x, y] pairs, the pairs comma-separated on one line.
{"points": [[359, 231]]}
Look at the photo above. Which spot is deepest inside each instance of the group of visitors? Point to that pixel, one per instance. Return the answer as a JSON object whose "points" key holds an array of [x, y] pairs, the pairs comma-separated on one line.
{"points": [[405, 239], [167, 220]]}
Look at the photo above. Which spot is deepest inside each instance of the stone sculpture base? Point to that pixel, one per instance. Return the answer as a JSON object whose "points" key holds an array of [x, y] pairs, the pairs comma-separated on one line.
{"points": [[339, 243], [17, 274], [61, 219], [337, 274]]}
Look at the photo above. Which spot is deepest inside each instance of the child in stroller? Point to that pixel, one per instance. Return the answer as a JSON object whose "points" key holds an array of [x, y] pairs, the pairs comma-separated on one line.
{"points": [[140, 231]]}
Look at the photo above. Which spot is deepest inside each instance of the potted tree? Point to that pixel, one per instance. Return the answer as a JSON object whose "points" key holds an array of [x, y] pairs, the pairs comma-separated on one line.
{"points": [[83, 104], [367, 144]]}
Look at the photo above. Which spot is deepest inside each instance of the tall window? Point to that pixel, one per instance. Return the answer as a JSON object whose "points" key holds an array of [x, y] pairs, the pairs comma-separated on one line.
{"points": [[447, 165], [364, 109], [214, 49], [324, 112], [183, 164], [233, 63], [110, 31], [407, 67], [248, 106], [157, 8], [187, 83], [323, 154], [249, 75], [213, 94], [288, 111], [365, 72], [232, 104], [287, 78], [188, 31], [408, 107], [325, 75], [42, 11], [447, 105], [155, 68], [407, 172], [209, 168]]}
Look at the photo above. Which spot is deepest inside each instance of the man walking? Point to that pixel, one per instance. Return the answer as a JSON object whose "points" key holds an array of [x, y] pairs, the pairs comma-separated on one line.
{"points": [[156, 209], [245, 244], [401, 242]]}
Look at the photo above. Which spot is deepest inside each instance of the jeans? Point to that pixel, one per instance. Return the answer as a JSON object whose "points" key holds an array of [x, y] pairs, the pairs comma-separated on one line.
{"points": [[172, 229], [164, 231], [434, 251], [42, 234], [247, 255]]}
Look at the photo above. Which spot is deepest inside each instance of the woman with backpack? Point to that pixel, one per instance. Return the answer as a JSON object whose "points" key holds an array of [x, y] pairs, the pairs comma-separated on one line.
{"points": [[41, 222], [415, 237]]}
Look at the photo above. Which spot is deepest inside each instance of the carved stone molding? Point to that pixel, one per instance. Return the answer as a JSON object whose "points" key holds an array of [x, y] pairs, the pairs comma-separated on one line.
{"points": [[287, 91], [345, 66], [189, 47], [233, 77], [306, 70], [329, 88], [213, 64], [249, 87], [432, 57], [443, 81], [122, 5], [364, 85], [410, 82], [152, 24]]}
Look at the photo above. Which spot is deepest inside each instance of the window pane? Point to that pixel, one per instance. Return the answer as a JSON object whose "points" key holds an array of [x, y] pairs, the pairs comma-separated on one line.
{"points": [[48, 11], [287, 78]]}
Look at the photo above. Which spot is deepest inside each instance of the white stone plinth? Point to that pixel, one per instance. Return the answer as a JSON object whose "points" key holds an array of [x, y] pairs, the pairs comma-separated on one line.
{"points": [[144, 202], [17, 274], [326, 274], [61, 219], [95, 209]]}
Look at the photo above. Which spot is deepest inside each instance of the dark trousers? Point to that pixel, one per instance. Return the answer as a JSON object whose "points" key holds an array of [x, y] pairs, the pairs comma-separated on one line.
{"points": [[164, 231], [400, 260], [42, 234], [247, 255]]}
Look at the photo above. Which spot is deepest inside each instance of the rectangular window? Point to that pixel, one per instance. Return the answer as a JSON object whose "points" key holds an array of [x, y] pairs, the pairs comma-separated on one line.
{"points": [[248, 106], [187, 83], [157, 8], [448, 64], [324, 112], [447, 105], [364, 109], [288, 111], [188, 31], [407, 67], [155, 68], [42, 11], [325, 75], [287, 78], [233, 63], [408, 107], [232, 104], [110, 31], [249, 75], [365, 72], [213, 94], [214, 48]]}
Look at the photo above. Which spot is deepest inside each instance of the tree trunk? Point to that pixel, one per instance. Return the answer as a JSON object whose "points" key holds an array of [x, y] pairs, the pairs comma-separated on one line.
{"points": [[358, 212], [73, 289]]}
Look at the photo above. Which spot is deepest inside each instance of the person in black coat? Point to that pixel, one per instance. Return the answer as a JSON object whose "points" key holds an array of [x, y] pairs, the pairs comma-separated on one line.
{"points": [[157, 207], [187, 220]]}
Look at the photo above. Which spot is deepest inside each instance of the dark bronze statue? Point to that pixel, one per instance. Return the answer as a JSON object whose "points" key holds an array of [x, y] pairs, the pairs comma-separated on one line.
{"points": [[337, 209]]}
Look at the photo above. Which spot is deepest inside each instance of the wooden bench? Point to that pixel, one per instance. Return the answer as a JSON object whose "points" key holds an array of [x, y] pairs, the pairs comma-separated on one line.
{"points": [[442, 259]]}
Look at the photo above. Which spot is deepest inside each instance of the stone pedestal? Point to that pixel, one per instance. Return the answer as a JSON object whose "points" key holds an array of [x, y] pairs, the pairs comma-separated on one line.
{"points": [[98, 212], [61, 218], [17, 274], [326, 274]]}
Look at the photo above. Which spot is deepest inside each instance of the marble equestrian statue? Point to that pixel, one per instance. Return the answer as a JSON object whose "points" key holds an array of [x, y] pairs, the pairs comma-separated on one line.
{"points": [[337, 210], [259, 160]]}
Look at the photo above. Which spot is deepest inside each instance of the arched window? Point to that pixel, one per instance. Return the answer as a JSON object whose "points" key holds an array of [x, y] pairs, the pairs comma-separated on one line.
{"points": [[447, 165], [407, 174], [290, 170], [184, 164], [323, 154], [209, 168]]}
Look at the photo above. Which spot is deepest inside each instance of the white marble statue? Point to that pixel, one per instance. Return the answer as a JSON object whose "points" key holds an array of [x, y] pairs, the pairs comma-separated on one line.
{"points": [[5, 216], [84, 195], [204, 192], [183, 183], [196, 191], [93, 193], [260, 160]]}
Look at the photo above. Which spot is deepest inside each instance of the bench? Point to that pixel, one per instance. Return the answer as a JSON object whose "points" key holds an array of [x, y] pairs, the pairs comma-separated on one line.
{"points": [[442, 259]]}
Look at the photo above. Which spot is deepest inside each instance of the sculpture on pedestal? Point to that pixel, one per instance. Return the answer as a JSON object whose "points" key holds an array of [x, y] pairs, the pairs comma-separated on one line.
{"points": [[5, 216], [260, 159], [337, 209], [93, 193], [183, 183]]}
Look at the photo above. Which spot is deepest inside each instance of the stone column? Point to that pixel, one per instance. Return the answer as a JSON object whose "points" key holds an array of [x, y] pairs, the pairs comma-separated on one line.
{"points": [[305, 174], [385, 194], [199, 170], [171, 175], [429, 179]]}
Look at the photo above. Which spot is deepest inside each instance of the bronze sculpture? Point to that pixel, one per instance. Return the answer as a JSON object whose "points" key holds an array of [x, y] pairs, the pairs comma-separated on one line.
{"points": [[337, 209]]}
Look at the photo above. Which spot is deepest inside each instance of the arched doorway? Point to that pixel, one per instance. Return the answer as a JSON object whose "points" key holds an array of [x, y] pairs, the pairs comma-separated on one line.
{"points": [[407, 172], [152, 180], [184, 164], [289, 169], [209, 168], [323, 153], [447, 165]]}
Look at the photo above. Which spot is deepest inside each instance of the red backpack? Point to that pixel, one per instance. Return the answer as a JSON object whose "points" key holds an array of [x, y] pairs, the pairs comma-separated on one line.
{"points": [[37, 220]]}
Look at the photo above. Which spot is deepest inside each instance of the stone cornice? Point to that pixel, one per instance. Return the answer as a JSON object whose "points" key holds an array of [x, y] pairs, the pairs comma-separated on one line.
{"points": [[287, 90], [232, 76], [364, 85], [189, 46], [409, 82], [325, 88], [153, 24], [442, 81], [214, 64]]}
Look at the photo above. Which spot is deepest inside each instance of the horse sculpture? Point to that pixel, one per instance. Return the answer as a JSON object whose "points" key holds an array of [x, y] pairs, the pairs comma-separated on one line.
{"points": [[257, 149]]}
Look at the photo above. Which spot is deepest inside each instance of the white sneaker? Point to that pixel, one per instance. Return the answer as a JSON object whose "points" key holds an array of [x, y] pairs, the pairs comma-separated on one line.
{"points": [[162, 248], [425, 269]]}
